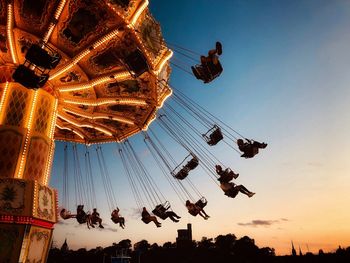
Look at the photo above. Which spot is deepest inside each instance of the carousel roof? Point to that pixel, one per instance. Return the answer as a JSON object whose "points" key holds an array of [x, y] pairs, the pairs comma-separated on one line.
{"points": [[100, 97]]}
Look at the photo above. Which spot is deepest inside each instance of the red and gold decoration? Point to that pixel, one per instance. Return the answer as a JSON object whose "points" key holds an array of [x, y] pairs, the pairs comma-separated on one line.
{"points": [[95, 94]]}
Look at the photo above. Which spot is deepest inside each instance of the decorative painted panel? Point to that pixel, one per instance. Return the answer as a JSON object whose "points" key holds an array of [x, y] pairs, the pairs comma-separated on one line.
{"points": [[39, 241], [45, 203], [10, 147], [38, 154], [12, 196]]}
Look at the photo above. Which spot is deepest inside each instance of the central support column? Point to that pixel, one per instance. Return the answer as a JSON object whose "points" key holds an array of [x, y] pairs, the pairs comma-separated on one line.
{"points": [[27, 205]]}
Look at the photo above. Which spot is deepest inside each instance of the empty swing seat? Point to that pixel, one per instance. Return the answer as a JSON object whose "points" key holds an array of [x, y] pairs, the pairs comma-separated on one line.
{"points": [[208, 71], [182, 174], [27, 77], [192, 164], [214, 137], [42, 58], [136, 63], [122, 3]]}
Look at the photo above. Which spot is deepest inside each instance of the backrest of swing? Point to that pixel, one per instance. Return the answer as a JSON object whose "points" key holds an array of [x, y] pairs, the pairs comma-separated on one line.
{"points": [[216, 134], [182, 173], [201, 202], [160, 211], [215, 131], [214, 69], [202, 73], [193, 163]]}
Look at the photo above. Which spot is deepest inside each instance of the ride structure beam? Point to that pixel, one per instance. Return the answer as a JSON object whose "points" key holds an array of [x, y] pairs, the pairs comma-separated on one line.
{"points": [[27, 205]]}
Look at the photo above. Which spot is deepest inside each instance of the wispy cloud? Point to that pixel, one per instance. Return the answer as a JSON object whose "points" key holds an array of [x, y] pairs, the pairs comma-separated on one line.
{"points": [[134, 213], [266, 223]]}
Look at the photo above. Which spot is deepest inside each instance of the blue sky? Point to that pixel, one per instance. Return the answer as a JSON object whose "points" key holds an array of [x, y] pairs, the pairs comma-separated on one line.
{"points": [[285, 81]]}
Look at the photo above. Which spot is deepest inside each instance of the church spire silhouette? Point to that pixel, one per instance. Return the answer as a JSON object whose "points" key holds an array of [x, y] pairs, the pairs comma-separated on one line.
{"points": [[294, 252]]}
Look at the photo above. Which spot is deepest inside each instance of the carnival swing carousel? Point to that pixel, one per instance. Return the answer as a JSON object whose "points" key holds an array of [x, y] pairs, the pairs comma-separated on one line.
{"points": [[92, 72]]}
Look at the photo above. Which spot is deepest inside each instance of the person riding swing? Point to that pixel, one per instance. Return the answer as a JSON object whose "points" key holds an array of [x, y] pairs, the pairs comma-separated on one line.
{"points": [[95, 218], [117, 219], [226, 175], [65, 214], [232, 190], [196, 209], [250, 148], [162, 212], [83, 217], [210, 66], [146, 217]]}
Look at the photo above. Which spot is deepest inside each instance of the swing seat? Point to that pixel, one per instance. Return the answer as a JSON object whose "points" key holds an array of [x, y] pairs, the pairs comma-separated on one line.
{"points": [[65, 214], [193, 212], [160, 210], [192, 164], [136, 63], [182, 174], [122, 3], [215, 135], [232, 192], [201, 202], [230, 174], [208, 71], [28, 78], [185, 169], [82, 219], [45, 57], [117, 220], [146, 220], [250, 151]]}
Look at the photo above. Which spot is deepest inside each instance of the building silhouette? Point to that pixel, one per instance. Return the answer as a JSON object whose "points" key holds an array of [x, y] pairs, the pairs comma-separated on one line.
{"points": [[184, 237], [64, 247]]}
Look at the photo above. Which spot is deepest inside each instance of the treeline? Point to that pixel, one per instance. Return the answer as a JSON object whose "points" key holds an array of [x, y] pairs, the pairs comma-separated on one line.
{"points": [[222, 249]]}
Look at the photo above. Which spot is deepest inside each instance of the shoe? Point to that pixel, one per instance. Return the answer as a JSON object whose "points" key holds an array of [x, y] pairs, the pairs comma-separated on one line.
{"points": [[235, 176], [101, 226], [175, 220], [159, 225], [251, 194], [92, 226], [263, 145], [218, 48], [178, 217]]}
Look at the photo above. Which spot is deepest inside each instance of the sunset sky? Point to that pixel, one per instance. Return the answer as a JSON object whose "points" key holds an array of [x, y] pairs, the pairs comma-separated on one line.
{"points": [[285, 82]]}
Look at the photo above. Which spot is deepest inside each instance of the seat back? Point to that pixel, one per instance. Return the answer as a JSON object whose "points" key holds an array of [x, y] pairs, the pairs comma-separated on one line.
{"points": [[201, 202], [193, 163], [160, 211], [27, 77], [182, 174], [136, 63], [42, 58]]}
